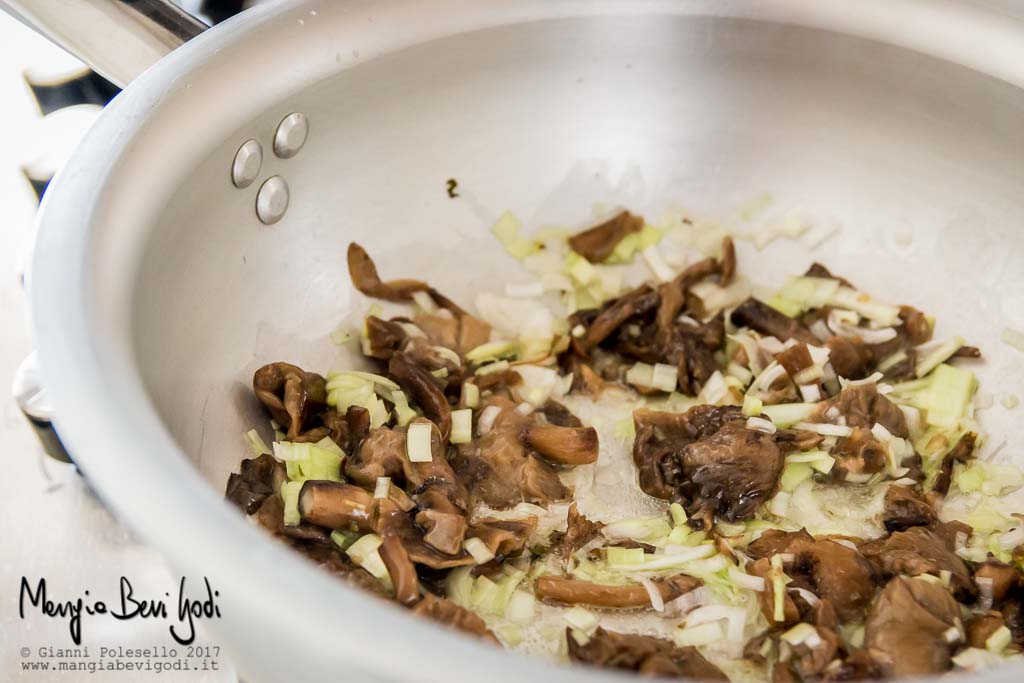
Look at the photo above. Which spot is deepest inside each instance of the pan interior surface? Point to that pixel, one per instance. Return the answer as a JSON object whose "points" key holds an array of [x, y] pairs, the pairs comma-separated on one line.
{"points": [[915, 164]]}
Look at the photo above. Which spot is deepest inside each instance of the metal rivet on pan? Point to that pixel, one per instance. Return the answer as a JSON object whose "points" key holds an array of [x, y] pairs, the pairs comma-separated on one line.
{"points": [[272, 200], [291, 135], [246, 166]]}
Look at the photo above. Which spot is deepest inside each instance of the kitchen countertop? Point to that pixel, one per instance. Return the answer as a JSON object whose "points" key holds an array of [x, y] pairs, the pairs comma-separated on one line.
{"points": [[51, 524]]}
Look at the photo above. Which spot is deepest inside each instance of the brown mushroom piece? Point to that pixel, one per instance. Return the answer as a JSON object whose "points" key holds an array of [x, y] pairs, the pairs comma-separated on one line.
{"points": [[597, 243], [637, 302], [557, 414], [859, 453], [962, 452], [644, 654], [401, 570], [271, 517], [497, 469], [790, 612], [578, 532], [728, 261], [451, 615], [253, 483], [421, 386], [733, 471], [1000, 579], [503, 537], [849, 358], [384, 337], [660, 435], [762, 318], [445, 530], [365, 278], [566, 591], [919, 550], [290, 394], [564, 445], [906, 627], [905, 508], [436, 473], [836, 573], [863, 406], [334, 505], [381, 454], [391, 521], [981, 627]]}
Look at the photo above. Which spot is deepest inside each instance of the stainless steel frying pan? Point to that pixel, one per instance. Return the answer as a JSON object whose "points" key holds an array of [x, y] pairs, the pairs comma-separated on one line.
{"points": [[159, 284]]}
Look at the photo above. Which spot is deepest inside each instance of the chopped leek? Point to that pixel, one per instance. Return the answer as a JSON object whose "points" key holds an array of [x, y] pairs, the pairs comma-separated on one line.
{"points": [[290, 496], [470, 395], [752, 405], [664, 377], [478, 549], [788, 414], [417, 443], [343, 539], [495, 350], [999, 641], [382, 488], [507, 229], [949, 395], [801, 293], [581, 619], [881, 313], [794, 474], [699, 635], [365, 553], [939, 355], [256, 443], [617, 557], [678, 514], [462, 425]]}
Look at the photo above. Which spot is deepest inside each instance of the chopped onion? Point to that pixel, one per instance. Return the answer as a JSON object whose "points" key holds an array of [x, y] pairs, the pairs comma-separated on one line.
{"points": [[715, 390], [779, 505], [524, 290], [825, 429], [820, 330], [486, 420], [677, 559], [871, 379], [881, 313], [640, 375], [581, 620], [687, 602], [462, 425], [524, 408], [771, 345], [478, 549], [759, 424], [696, 636], [951, 634], [490, 368], [383, 487], [417, 442], [470, 395], [745, 580], [801, 633], [448, 355], [752, 405], [664, 377], [771, 374], [657, 601], [653, 259], [578, 331], [881, 433], [941, 353], [838, 324], [809, 597], [811, 393], [753, 352], [998, 641], [521, 607]]}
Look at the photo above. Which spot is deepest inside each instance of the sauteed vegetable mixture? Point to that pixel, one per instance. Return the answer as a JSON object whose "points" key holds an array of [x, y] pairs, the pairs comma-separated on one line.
{"points": [[684, 477]]}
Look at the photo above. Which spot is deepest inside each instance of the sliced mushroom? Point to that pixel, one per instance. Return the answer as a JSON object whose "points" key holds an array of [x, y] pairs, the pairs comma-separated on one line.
{"points": [[919, 550], [254, 482], [644, 654], [981, 627], [564, 445], [364, 276], [557, 414], [1005, 579], [598, 243], [566, 591], [334, 505], [905, 508], [381, 454], [862, 406], [761, 317], [384, 337], [907, 625], [451, 615], [962, 452], [401, 570], [290, 394], [504, 537], [420, 384], [728, 262], [578, 532], [638, 302], [849, 358], [391, 521], [445, 530]]}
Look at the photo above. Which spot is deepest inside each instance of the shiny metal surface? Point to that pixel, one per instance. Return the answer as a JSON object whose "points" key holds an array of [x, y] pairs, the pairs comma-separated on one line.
{"points": [[246, 165], [118, 38], [272, 200], [155, 299], [291, 135]]}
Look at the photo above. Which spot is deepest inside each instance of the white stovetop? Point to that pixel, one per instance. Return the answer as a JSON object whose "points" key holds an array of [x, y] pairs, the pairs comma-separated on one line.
{"points": [[51, 526]]}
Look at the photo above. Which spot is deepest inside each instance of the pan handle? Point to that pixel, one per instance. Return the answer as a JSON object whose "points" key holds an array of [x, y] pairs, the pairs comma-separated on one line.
{"points": [[117, 38]]}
